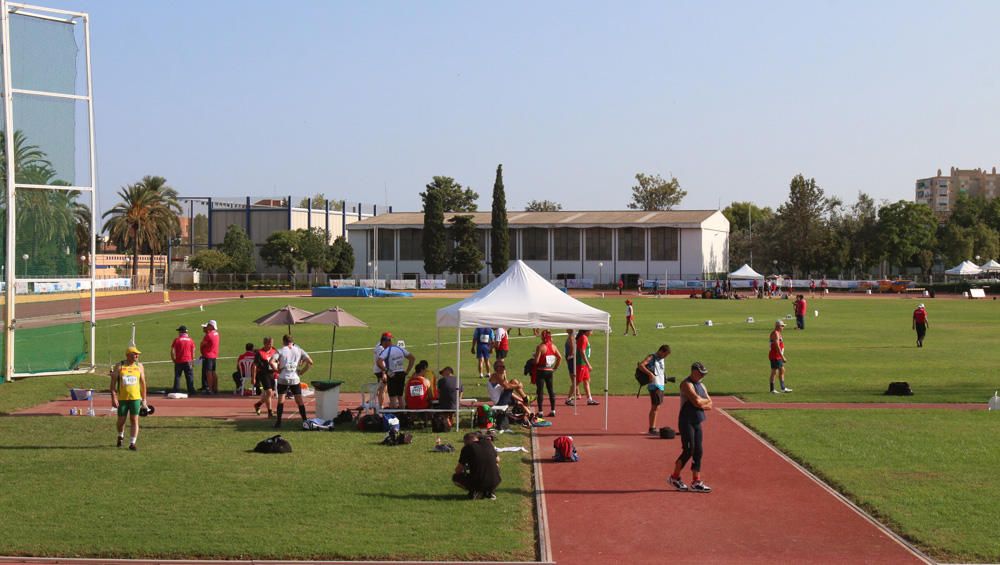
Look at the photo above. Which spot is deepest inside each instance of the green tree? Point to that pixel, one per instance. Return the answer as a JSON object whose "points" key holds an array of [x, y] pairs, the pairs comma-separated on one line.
{"points": [[499, 232], [466, 258], [282, 249], [748, 229], [240, 250], [906, 228], [454, 198], [312, 248], [319, 202], [340, 257], [199, 229], [210, 261], [145, 219], [801, 226], [956, 243], [435, 235], [652, 192], [542, 206]]}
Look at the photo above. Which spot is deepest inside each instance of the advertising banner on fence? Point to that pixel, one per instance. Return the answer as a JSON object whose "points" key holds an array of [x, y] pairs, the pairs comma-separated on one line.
{"points": [[397, 284], [372, 283], [48, 286], [337, 283], [433, 284], [574, 283]]}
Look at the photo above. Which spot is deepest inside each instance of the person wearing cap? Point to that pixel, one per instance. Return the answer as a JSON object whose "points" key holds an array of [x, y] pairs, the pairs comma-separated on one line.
{"points": [[390, 363], [449, 393], [629, 317], [694, 402], [292, 362], [209, 357], [182, 354], [380, 377], [920, 323], [777, 357], [128, 393]]}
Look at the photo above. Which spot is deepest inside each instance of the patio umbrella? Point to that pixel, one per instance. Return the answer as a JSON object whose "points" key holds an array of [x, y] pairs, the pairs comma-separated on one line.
{"points": [[283, 317], [335, 316]]}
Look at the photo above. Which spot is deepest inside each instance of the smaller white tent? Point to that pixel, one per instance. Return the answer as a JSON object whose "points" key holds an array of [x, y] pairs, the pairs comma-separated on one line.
{"points": [[964, 269], [745, 272], [990, 266]]}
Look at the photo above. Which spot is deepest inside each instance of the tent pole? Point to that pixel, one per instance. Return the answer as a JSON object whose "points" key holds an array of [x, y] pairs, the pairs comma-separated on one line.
{"points": [[439, 348], [458, 373], [333, 344], [607, 364], [576, 384]]}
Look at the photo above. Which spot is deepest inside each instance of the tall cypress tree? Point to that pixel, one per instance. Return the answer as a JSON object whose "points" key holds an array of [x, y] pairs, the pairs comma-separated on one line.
{"points": [[435, 236], [499, 235]]}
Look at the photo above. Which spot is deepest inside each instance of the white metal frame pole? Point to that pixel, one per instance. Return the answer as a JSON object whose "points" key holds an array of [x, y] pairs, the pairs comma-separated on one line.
{"points": [[607, 380], [93, 199], [8, 111], [458, 372]]}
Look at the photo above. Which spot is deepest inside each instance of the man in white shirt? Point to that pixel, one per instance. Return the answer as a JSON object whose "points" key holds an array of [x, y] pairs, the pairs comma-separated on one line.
{"points": [[655, 368], [390, 363], [291, 362], [380, 377]]}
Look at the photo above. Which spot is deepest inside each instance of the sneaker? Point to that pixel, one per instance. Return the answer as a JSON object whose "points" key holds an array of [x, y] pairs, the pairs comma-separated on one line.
{"points": [[256, 410], [570, 402], [786, 390], [132, 447], [592, 402], [774, 391], [699, 486], [552, 414], [119, 442], [677, 483], [490, 496], [653, 432]]}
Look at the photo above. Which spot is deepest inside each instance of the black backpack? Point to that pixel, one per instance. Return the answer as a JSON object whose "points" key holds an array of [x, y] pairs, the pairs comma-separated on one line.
{"points": [[274, 444], [439, 424], [641, 377]]}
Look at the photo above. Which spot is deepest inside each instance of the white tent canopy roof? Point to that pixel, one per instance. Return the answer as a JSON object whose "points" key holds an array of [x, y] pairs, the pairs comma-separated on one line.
{"points": [[964, 268], [990, 266], [521, 298], [745, 272]]}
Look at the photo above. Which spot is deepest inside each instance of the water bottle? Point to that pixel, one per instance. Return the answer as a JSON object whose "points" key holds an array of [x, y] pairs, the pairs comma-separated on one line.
{"points": [[994, 402]]}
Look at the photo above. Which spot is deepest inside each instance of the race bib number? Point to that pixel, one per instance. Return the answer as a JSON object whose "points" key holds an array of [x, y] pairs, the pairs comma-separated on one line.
{"points": [[484, 338], [129, 380], [550, 361], [416, 390]]}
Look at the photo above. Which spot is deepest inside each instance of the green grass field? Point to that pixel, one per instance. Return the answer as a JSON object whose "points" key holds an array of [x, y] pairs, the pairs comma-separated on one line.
{"points": [[930, 475], [195, 490]]}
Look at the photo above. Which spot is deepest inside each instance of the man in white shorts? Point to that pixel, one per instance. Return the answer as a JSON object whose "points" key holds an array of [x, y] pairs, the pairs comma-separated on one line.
{"points": [[291, 361]]}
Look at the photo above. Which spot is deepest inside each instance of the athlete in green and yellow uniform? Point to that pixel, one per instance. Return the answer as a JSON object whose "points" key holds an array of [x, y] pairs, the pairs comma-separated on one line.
{"points": [[128, 393]]}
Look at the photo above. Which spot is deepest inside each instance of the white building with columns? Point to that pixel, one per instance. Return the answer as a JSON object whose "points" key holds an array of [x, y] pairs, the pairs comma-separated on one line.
{"points": [[604, 246]]}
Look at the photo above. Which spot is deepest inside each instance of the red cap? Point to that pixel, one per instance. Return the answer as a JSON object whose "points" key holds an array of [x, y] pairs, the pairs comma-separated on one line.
{"points": [[387, 335]]}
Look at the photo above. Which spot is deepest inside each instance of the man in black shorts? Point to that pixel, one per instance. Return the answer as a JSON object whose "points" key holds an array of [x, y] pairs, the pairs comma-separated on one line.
{"points": [[694, 402], [478, 469], [264, 374], [390, 362], [655, 368]]}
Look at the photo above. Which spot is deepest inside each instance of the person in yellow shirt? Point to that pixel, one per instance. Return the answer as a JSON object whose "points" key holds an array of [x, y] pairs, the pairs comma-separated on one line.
{"points": [[128, 393]]}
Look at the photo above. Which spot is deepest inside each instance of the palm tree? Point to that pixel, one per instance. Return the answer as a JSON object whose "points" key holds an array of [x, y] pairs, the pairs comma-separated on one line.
{"points": [[144, 219]]}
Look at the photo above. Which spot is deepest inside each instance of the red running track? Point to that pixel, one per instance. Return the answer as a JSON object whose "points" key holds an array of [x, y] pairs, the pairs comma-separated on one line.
{"points": [[615, 505]]}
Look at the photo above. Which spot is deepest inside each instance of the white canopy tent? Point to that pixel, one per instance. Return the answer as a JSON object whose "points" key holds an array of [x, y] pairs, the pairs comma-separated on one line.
{"points": [[964, 269], [745, 272], [521, 298], [990, 266]]}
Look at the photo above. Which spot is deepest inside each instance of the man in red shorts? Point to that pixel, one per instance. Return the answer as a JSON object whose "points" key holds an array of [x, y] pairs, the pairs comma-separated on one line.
{"points": [[583, 363]]}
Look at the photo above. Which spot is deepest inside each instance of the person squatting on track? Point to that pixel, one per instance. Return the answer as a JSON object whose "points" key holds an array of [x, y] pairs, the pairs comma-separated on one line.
{"points": [[547, 360], [128, 394], [654, 365], [694, 402], [629, 317], [209, 357], [920, 324], [182, 354], [483, 340], [478, 469], [776, 355], [292, 362], [390, 362], [264, 375]]}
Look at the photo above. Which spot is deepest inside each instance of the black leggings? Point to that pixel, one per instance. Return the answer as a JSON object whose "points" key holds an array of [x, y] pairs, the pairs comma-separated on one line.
{"points": [[544, 379], [691, 442]]}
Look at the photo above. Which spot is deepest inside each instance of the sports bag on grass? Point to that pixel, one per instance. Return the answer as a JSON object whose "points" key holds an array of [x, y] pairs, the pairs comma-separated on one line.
{"points": [[565, 450], [274, 444]]}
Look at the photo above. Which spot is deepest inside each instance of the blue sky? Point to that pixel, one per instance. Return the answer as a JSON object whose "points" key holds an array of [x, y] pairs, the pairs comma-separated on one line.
{"points": [[368, 100]]}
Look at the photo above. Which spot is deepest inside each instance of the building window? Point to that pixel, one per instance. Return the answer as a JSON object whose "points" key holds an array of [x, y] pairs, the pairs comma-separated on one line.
{"points": [[663, 244], [599, 244], [386, 245], [566, 243], [535, 244], [631, 246], [411, 245], [481, 237]]}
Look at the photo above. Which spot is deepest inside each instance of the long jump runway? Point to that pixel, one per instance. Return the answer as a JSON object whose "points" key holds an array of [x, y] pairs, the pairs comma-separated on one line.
{"points": [[615, 505]]}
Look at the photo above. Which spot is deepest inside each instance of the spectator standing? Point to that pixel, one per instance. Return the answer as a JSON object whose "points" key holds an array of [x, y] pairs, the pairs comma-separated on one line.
{"points": [[621, 286], [182, 354], [583, 365], [800, 306], [777, 357], [654, 365], [292, 363], [478, 469], [920, 323], [547, 360], [694, 402], [449, 393], [244, 369], [812, 288], [390, 362], [380, 376], [756, 288], [128, 394], [502, 342], [482, 343], [569, 354], [265, 374], [209, 357], [418, 389], [629, 317]]}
